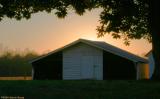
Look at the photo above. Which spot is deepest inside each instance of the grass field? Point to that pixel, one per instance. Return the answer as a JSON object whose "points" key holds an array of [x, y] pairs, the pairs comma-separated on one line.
{"points": [[86, 89]]}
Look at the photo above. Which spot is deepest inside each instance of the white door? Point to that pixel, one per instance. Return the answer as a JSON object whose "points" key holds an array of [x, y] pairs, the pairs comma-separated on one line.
{"points": [[98, 68], [87, 67], [96, 71]]}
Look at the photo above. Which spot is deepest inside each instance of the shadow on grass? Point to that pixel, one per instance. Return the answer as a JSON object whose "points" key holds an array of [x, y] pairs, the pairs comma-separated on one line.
{"points": [[81, 89]]}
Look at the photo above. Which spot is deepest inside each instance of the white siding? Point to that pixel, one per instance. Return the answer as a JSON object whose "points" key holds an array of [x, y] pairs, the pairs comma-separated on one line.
{"points": [[82, 61], [32, 73], [151, 64]]}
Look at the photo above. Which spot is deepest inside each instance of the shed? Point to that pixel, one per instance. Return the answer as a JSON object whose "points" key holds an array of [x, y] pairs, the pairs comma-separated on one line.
{"points": [[86, 59]]}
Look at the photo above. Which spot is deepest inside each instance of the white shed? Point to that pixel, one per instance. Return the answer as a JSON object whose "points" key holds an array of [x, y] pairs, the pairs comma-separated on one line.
{"points": [[82, 62], [85, 59]]}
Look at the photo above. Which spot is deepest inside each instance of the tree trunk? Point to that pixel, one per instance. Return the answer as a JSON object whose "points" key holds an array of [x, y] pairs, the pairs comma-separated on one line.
{"points": [[154, 22], [156, 55]]}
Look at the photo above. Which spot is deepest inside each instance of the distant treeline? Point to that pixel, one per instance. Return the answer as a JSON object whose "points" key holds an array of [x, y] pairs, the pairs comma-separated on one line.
{"points": [[14, 63]]}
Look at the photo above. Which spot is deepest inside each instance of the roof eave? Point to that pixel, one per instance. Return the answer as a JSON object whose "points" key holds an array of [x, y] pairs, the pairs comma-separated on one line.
{"points": [[137, 58]]}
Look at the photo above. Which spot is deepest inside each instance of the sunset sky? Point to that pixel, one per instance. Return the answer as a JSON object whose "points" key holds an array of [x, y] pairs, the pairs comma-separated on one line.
{"points": [[45, 32]]}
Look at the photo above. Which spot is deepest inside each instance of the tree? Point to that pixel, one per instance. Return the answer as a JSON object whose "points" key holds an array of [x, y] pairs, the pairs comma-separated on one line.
{"points": [[127, 19]]}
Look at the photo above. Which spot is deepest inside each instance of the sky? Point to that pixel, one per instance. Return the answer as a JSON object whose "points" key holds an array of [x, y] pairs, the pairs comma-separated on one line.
{"points": [[45, 32]]}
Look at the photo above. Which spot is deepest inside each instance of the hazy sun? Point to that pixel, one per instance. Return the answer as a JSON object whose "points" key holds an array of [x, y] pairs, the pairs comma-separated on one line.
{"points": [[90, 36]]}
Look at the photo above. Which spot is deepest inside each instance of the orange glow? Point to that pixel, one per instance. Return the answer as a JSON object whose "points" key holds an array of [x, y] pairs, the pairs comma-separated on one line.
{"points": [[45, 32], [144, 74]]}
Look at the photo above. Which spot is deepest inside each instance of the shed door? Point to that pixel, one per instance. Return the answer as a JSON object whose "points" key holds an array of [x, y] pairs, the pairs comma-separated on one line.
{"points": [[96, 71], [87, 67]]}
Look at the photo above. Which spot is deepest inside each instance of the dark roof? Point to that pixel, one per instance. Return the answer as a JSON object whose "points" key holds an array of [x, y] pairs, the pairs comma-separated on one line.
{"points": [[148, 53]]}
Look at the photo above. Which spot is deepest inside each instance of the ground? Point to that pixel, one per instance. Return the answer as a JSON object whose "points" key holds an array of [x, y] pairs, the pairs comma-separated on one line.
{"points": [[81, 89]]}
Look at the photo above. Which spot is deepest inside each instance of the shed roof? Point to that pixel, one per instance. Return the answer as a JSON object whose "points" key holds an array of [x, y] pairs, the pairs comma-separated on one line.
{"points": [[100, 45], [148, 53]]}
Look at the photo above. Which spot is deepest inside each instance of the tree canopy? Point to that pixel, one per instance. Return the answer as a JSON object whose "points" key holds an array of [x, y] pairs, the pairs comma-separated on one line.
{"points": [[123, 18]]}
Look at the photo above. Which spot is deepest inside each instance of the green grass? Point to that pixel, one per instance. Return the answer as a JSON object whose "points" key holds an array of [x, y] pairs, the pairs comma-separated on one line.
{"points": [[79, 89]]}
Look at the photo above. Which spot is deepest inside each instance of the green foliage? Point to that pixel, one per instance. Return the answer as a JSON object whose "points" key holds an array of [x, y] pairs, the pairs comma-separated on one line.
{"points": [[16, 64], [127, 19]]}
